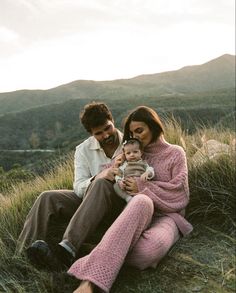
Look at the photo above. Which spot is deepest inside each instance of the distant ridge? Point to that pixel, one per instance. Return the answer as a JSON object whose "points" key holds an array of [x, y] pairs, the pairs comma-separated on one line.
{"points": [[215, 74], [218, 73]]}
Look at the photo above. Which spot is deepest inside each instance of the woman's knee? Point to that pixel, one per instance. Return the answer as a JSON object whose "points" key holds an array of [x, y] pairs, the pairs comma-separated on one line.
{"points": [[143, 202]]}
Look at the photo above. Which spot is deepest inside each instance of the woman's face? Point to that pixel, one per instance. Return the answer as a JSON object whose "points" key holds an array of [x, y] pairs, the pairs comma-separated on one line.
{"points": [[141, 131]]}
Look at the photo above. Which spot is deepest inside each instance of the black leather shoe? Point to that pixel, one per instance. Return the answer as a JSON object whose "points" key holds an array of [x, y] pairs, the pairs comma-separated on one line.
{"points": [[40, 255], [85, 249], [65, 257]]}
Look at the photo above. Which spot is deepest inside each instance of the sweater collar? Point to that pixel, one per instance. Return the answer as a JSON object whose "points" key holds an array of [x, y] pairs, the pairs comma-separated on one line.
{"points": [[158, 146]]}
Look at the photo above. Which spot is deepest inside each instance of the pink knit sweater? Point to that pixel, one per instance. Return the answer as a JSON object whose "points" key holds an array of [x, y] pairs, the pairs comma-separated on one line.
{"points": [[169, 188]]}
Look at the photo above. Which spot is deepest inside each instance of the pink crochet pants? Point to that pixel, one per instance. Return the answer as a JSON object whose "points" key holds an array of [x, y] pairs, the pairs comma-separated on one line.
{"points": [[133, 238]]}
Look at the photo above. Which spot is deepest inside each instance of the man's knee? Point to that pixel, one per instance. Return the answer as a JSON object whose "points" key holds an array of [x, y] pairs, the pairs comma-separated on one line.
{"points": [[46, 197], [103, 182], [100, 188]]}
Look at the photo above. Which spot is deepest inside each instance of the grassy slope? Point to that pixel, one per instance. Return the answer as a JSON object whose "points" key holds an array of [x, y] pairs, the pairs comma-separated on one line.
{"points": [[202, 262]]}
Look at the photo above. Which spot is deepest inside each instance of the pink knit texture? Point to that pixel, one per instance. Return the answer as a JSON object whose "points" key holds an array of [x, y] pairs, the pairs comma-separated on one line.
{"points": [[169, 188], [102, 265], [150, 223]]}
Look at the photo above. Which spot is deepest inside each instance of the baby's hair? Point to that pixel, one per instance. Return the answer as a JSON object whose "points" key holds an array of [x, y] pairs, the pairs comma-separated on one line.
{"points": [[133, 141]]}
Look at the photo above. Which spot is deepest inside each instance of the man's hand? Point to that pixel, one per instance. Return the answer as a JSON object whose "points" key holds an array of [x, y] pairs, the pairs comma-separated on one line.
{"points": [[108, 174], [119, 160]]}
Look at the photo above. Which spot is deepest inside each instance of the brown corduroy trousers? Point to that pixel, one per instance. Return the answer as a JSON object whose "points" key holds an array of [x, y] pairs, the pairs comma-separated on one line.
{"points": [[82, 216]]}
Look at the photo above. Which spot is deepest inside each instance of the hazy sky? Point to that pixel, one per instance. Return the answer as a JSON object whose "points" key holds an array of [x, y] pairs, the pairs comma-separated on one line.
{"points": [[46, 43]]}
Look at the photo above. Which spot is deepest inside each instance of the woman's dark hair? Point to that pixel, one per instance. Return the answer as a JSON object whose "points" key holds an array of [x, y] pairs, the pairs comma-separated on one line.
{"points": [[149, 117], [94, 115]]}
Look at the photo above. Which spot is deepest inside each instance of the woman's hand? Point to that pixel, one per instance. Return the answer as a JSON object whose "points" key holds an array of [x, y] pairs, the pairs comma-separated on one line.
{"points": [[108, 174], [131, 185], [121, 184]]}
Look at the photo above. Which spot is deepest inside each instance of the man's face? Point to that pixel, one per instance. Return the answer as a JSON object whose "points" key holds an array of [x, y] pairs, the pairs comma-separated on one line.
{"points": [[105, 134]]}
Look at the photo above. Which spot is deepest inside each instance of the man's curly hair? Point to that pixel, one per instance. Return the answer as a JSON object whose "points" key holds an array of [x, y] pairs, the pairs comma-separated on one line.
{"points": [[95, 114]]}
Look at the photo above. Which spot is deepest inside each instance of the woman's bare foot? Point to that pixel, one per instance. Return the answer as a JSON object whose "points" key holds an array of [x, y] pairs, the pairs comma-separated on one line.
{"points": [[85, 287]]}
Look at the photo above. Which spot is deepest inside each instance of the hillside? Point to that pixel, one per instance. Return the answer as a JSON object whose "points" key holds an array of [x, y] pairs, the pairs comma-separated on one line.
{"points": [[204, 261], [58, 125], [49, 119], [216, 74]]}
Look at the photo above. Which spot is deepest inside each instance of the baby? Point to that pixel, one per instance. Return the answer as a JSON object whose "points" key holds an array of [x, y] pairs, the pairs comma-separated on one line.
{"points": [[132, 166]]}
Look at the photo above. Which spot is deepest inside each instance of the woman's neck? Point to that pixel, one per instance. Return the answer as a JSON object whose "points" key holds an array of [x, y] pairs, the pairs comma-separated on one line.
{"points": [[157, 146]]}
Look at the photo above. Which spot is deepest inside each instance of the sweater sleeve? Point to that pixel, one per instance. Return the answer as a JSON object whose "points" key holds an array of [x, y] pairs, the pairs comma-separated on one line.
{"points": [[172, 196], [150, 172]]}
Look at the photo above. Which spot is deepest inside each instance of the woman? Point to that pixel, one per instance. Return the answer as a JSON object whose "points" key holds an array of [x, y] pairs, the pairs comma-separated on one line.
{"points": [[152, 221]]}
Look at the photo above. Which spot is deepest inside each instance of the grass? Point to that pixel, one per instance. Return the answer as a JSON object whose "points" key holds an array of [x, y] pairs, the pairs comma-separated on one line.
{"points": [[201, 262], [204, 261]]}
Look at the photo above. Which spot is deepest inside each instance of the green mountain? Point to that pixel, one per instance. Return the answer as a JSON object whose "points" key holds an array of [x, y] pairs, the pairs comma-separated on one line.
{"points": [[58, 125], [216, 74], [49, 119]]}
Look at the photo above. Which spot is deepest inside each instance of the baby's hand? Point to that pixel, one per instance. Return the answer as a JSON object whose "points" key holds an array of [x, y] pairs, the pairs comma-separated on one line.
{"points": [[108, 173], [144, 177], [121, 184]]}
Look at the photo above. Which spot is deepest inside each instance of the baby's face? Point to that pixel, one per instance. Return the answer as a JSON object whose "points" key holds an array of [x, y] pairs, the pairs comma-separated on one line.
{"points": [[132, 152]]}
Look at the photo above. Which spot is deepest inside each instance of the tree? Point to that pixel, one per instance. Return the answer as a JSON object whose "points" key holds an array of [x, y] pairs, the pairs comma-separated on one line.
{"points": [[34, 140]]}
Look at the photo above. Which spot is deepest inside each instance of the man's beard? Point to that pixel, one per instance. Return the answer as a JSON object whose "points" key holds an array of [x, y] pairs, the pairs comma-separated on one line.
{"points": [[109, 140]]}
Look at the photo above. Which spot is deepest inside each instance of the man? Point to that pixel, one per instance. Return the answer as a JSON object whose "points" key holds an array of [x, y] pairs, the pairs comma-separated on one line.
{"points": [[84, 208]]}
